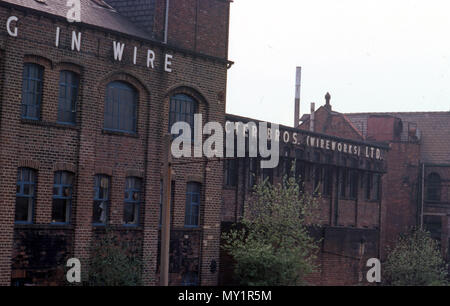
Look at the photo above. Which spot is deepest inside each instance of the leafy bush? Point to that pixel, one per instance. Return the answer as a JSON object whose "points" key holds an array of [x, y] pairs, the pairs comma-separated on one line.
{"points": [[114, 263], [273, 245], [416, 260]]}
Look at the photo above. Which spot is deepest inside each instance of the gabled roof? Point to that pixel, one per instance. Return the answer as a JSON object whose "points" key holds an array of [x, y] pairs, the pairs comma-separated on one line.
{"points": [[434, 129], [325, 128], [93, 12]]}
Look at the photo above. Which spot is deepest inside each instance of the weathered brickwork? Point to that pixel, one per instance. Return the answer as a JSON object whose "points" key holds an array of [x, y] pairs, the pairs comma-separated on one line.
{"points": [[329, 122], [349, 219], [401, 192], [436, 200], [416, 186], [86, 149], [359, 219]]}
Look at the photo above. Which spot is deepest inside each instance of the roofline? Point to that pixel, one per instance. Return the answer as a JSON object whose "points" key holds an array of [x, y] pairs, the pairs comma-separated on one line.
{"points": [[284, 127], [342, 115], [399, 113], [129, 36]]}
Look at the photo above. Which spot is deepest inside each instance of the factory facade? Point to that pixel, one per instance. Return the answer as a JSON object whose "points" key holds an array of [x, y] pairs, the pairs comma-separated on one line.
{"points": [[85, 107]]}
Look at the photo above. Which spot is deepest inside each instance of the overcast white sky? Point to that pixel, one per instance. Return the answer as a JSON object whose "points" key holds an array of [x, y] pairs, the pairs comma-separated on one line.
{"points": [[372, 56]]}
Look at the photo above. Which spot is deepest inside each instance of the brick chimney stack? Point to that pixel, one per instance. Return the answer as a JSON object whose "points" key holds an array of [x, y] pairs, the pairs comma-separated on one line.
{"points": [[327, 101], [196, 25]]}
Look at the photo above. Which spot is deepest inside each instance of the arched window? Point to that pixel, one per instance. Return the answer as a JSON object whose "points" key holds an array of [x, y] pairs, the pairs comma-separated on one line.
{"points": [[433, 183], [230, 175], [120, 107], [32, 91], [62, 197], [67, 100], [133, 186], [101, 199], [25, 195], [182, 109]]}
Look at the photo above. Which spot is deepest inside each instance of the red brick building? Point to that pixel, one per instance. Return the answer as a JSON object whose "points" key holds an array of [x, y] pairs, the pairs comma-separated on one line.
{"points": [[366, 204], [415, 187], [417, 182], [336, 160], [84, 108]]}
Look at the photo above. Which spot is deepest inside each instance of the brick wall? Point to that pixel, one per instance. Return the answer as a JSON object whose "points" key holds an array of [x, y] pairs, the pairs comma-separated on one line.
{"points": [[332, 123], [345, 221], [196, 25], [400, 192], [436, 211], [90, 150]]}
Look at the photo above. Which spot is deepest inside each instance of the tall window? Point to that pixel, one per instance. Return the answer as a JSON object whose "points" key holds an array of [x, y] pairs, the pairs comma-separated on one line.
{"points": [[353, 184], [62, 197], [182, 109], [25, 195], [376, 186], [132, 201], [327, 180], [344, 181], [230, 175], [433, 224], [253, 171], [120, 107], [433, 190], [101, 199], [192, 205], [68, 93], [368, 185], [317, 173], [317, 178], [32, 91], [286, 164], [299, 167]]}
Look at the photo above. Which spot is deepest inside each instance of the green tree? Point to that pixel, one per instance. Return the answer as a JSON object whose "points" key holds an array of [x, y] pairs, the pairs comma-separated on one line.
{"points": [[114, 262], [272, 244], [415, 261]]}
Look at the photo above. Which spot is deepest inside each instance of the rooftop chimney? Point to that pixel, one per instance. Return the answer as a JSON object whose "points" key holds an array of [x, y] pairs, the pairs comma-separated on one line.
{"points": [[327, 101], [311, 120], [298, 77]]}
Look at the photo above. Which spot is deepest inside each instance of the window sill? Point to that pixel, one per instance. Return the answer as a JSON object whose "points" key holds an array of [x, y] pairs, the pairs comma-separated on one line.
{"points": [[194, 228], [131, 226], [117, 227], [99, 225], [56, 224], [120, 133], [43, 226], [347, 199], [49, 124], [229, 187], [371, 201]]}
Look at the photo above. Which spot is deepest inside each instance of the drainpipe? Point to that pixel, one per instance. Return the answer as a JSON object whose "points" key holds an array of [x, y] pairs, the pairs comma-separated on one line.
{"points": [[422, 195], [166, 22]]}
